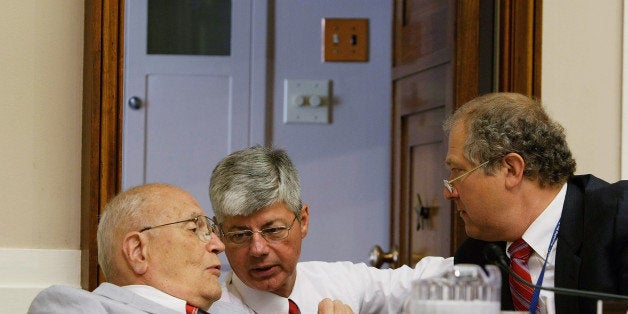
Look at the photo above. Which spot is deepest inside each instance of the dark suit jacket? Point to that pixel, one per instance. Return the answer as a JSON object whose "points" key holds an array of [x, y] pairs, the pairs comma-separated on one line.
{"points": [[592, 248]]}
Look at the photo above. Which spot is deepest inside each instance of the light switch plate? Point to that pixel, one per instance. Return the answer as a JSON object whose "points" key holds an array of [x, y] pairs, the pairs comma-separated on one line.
{"points": [[307, 101], [345, 39]]}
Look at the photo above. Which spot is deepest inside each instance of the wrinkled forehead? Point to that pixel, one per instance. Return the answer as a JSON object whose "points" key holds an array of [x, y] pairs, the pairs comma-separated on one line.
{"points": [[172, 203]]}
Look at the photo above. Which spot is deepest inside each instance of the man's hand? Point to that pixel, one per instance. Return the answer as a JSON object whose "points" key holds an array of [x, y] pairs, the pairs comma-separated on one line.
{"points": [[327, 306]]}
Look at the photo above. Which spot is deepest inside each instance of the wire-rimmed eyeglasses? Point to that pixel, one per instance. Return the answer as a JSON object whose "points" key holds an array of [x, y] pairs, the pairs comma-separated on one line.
{"points": [[205, 226], [241, 237], [448, 183]]}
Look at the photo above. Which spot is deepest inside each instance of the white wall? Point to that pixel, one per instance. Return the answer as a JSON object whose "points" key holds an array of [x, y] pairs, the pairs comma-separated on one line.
{"points": [[40, 138], [344, 166], [581, 79]]}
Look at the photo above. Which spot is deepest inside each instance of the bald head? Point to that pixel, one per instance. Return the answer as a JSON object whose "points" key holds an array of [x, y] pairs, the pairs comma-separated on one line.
{"points": [[126, 212]]}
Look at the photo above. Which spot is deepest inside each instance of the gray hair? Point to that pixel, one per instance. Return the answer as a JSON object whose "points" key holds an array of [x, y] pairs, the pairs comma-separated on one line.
{"points": [[500, 123], [252, 179], [122, 214]]}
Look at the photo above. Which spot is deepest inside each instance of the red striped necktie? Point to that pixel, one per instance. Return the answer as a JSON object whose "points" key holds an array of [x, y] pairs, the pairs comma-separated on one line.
{"points": [[293, 308], [191, 309], [521, 294]]}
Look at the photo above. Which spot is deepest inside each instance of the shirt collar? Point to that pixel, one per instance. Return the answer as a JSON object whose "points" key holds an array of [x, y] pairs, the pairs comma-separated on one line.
{"points": [[260, 301], [158, 296], [540, 232]]}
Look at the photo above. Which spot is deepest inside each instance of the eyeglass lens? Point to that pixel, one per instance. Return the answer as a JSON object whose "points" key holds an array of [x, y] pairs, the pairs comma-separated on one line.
{"points": [[205, 228], [448, 183], [272, 234]]}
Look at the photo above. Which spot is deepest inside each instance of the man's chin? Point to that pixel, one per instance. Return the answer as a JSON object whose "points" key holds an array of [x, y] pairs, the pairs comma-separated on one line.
{"points": [[212, 296], [272, 284], [267, 285]]}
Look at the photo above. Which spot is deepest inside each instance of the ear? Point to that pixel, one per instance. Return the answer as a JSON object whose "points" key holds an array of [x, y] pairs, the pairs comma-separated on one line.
{"points": [[305, 220], [134, 250], [514, 165]]}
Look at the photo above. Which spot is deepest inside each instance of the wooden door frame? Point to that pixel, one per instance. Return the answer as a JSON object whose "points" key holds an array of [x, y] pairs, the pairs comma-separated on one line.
{"points": [[520, 46], [520, 39], [101, 166]]}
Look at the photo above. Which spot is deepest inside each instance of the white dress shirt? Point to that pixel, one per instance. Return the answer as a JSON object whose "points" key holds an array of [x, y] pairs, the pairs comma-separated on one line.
{"points": [[365, 289], [538, 236]]}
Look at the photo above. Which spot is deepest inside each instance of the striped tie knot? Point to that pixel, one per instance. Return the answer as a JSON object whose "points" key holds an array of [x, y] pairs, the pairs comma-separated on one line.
{"points": [[520, 250]]}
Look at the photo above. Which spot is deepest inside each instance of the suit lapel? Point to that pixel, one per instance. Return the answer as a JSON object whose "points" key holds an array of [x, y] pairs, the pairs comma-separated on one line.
{"points": [[570, 237]]}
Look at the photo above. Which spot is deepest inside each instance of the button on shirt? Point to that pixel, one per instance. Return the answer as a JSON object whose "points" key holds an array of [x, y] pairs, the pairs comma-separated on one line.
{"points": [[538, 236]]}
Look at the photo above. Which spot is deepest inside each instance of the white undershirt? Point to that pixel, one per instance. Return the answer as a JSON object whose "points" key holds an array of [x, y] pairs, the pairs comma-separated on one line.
{"points": [[538, 236]]}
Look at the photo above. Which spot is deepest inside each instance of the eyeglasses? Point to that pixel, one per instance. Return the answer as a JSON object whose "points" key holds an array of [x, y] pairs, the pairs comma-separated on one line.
{"points": [[205, 226], [271, 234], [448, 183]]}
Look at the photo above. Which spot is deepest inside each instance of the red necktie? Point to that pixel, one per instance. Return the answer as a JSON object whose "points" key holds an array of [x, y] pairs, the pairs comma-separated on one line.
{"points": [[191, 309], [293, 308], [521, 294]]}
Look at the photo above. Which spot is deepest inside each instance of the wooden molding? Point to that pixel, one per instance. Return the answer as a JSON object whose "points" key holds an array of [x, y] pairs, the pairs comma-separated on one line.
{"points": [[520, 32], [466, 53], [101, 139]]}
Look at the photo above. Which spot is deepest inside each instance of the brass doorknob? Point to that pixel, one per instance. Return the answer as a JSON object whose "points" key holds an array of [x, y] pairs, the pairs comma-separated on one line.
{"points": [[377, 258]]}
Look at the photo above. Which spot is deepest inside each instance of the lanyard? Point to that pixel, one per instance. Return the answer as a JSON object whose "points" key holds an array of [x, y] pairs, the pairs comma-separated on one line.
{"points": [[539, 282]]}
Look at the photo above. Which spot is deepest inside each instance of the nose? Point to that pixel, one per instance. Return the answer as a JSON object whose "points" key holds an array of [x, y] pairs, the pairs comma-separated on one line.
{"points": [[214, 244], [258, 245], [450, 195]]}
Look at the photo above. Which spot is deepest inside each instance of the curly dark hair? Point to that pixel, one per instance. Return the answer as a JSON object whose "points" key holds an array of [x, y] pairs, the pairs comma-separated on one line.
{"points": [[502, 123]]}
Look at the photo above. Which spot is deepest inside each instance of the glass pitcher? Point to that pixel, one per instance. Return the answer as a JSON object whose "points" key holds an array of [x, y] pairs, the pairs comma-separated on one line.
{"points": [[466, 289]]}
